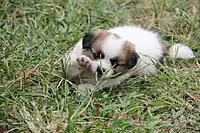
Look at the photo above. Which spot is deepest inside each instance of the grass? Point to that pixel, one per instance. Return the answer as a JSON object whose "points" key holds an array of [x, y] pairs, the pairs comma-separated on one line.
{"points": [[34, 96]]}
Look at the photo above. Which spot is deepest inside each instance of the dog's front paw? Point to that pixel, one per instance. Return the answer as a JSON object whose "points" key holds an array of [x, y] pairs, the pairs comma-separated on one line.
{"points": [[84, 61]]}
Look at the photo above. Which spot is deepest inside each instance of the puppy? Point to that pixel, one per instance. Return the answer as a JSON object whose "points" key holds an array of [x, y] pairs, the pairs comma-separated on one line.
{"points": [[126, 51]]}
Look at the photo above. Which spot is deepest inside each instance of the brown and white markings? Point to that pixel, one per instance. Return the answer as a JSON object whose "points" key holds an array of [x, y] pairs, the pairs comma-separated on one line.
{"points": [[128, 50]]}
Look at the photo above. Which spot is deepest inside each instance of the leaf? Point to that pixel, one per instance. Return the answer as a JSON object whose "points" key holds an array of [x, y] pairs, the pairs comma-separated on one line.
{"points": [[192, 10], [97, 106], [16, 13], [120, 123], [152, 124]]}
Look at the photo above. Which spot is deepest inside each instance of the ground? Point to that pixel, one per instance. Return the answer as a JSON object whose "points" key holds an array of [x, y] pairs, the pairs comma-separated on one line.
{"points": [[35, 97]]}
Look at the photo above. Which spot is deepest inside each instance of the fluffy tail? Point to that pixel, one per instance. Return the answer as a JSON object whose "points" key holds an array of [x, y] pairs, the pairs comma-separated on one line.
{"points": [[181, 51]]}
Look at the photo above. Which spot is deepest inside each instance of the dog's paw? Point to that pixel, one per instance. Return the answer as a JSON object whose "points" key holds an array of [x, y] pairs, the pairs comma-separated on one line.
{"points": [[84, 61]]}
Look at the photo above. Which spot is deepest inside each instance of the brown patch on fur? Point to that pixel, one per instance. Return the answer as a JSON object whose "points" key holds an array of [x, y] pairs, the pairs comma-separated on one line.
{"points": [[123, 59], [100, 36], [128, 48]]}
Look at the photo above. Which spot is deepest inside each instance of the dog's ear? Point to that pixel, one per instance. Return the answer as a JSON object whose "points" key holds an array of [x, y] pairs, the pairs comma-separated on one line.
{"points": [[132, 59], [88, 39]]}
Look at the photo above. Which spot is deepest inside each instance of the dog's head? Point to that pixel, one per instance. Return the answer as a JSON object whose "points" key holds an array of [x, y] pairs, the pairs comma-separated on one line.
{"points": [[110, 50]]}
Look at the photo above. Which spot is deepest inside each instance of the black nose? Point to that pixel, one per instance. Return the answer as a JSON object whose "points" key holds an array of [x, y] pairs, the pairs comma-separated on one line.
{"points": [[100, 70]]}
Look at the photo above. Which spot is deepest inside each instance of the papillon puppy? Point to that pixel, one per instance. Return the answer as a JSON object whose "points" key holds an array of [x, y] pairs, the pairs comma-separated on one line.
{"points": [[111, 56]]}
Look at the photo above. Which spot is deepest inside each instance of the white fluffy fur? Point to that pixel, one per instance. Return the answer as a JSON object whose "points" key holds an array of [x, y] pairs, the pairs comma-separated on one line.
{"points": [[180, 51], [147, 43]]}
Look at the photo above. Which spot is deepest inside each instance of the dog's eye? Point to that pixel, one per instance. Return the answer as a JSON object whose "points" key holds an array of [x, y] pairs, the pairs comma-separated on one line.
{"points": [[102, 55], [98, 55], [113, 61]]}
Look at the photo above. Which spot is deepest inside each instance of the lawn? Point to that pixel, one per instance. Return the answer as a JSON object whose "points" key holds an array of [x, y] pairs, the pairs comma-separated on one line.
{"points": [[35, 96]]}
